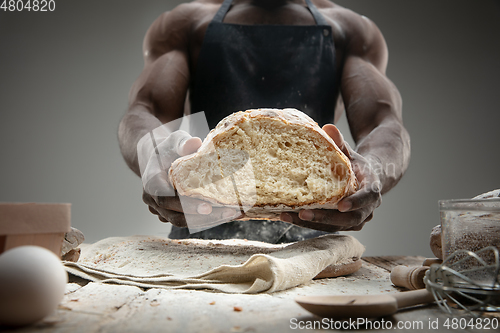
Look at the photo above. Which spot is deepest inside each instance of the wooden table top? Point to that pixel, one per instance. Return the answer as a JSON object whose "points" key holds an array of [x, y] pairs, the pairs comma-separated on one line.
{"points": [[93, 307]]}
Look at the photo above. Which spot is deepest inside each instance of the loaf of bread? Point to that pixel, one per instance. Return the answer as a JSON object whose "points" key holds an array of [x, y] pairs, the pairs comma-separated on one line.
{"points": [[266, 161], [435, 242]]}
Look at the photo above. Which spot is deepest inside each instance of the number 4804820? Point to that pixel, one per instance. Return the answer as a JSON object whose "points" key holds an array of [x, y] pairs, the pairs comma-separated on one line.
{"points": [[28, 5]]}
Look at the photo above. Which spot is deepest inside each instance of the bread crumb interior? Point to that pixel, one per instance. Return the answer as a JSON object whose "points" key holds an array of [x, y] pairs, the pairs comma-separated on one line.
{"points": [[291, 164]]}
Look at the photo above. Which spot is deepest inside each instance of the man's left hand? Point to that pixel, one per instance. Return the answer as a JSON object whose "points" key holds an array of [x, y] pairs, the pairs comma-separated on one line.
{"points": [[353, 211]]}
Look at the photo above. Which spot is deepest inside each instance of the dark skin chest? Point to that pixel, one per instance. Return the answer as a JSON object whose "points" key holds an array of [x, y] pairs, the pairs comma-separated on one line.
{"points": [[261, 13]]}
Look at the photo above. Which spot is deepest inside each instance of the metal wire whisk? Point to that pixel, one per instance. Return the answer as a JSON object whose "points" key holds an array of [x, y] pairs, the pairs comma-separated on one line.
{"points": [[469, 279]]}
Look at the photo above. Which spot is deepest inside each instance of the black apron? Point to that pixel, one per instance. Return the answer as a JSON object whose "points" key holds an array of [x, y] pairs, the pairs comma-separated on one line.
{"points": [[264, 66]]}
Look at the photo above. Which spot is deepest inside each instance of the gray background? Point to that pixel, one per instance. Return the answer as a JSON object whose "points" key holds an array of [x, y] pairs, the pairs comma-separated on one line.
{"points": [[65, 76]]}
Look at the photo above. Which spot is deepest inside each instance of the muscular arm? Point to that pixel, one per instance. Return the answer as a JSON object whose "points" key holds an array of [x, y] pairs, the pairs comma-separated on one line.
{"points": [[158, 97], [373, 105], [159, 93]]}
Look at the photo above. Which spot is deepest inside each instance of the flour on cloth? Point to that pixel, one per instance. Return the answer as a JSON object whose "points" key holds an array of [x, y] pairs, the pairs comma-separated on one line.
{"points": [[231, 266]]}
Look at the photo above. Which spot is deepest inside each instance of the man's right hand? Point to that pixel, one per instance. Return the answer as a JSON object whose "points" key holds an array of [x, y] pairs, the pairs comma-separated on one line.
{"points": [[157, 157], [169, 209]]}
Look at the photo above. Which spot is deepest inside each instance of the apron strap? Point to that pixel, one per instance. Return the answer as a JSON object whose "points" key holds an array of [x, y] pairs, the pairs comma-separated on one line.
{"points": [[221, 13], [224, 8], [320, 20]]}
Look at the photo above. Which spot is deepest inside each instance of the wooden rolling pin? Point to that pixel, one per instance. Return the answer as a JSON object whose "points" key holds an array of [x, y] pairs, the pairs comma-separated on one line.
{"points": [[411, 277]]}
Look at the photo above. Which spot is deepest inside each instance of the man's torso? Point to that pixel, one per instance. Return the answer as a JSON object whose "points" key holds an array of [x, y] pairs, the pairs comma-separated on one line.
{"points": [[200, 13], [246, 12]]}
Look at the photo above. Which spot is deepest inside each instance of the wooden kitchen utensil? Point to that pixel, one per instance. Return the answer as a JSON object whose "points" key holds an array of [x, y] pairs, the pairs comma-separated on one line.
{"points": [[411, 277], [367, 306]]}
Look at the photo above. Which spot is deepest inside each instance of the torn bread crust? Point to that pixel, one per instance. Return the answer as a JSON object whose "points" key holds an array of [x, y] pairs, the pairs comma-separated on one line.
{"points": [[304, 186]]}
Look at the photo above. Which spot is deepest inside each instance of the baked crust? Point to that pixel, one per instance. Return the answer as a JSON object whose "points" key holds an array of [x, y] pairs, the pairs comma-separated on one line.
{"points": [[228, 127], [435, 242]]}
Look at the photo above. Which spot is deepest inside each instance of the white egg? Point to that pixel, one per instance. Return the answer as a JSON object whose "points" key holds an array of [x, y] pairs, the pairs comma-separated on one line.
{"points": [[32, 283]]}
